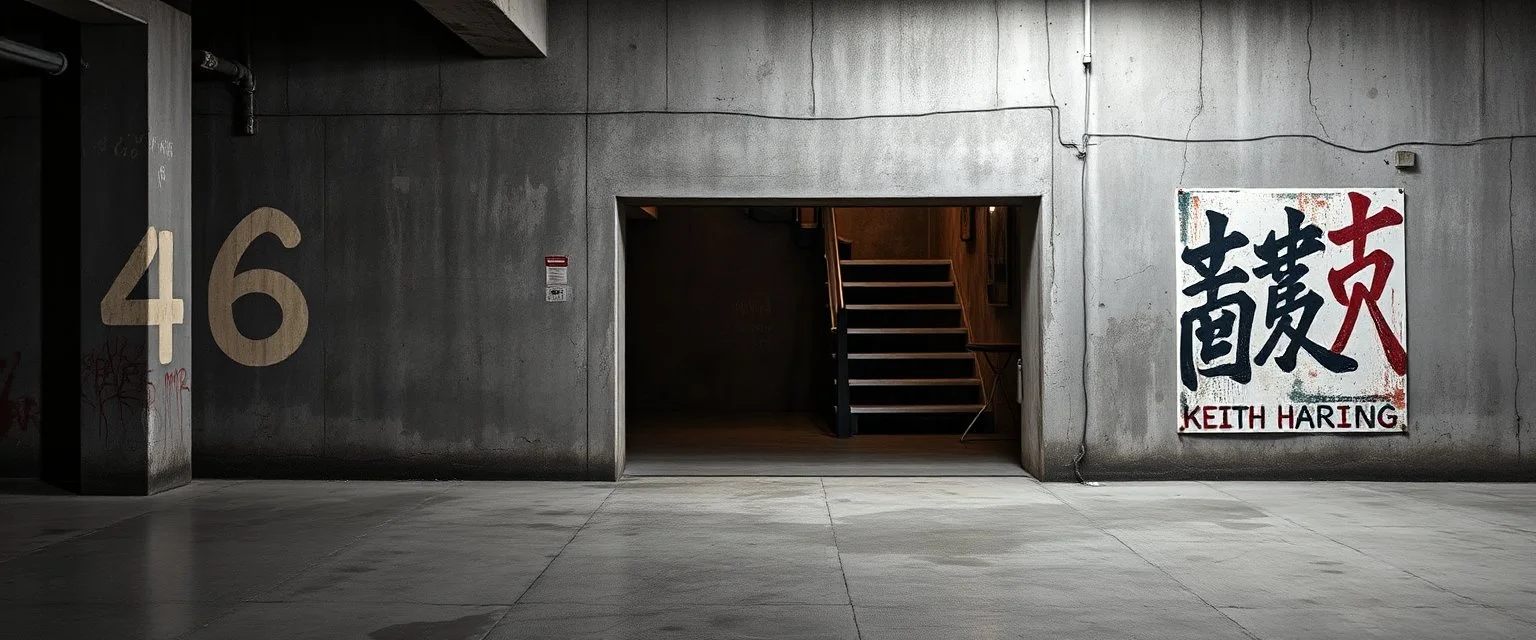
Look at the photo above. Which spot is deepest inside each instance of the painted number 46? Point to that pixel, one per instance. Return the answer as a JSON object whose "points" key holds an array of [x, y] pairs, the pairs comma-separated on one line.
{"points": [[163, 311], [224, 287]]}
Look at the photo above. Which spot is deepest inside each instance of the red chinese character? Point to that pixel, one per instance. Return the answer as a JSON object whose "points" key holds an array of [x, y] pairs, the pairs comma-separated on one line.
{"points": [[1360, 295]]}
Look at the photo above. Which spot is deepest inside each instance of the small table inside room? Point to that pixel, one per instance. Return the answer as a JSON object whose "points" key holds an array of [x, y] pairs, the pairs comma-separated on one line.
{"points": [[997, 355]]}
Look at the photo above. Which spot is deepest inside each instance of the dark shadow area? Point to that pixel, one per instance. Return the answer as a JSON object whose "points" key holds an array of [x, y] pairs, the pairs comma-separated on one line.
{"points": [[22, 138], [29, 487]]}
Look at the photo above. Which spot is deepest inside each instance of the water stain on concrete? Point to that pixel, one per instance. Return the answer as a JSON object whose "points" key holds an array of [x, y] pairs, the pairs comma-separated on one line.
{"points": [[956, 561], [463, 628]]}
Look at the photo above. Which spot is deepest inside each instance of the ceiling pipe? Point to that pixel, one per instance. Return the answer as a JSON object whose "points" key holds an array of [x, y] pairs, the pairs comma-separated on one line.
{"points": [[53, 62], [242, 84]]}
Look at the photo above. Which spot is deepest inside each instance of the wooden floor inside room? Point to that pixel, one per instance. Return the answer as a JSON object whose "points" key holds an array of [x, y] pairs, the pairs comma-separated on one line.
{"points": [[802, 445]]}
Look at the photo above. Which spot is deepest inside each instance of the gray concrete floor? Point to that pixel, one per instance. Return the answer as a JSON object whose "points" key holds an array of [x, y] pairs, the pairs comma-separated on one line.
{"points": [[772, 558], [792, 444]]}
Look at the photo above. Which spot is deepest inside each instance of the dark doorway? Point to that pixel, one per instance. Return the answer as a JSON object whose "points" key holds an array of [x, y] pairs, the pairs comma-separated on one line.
{"points": [[731, 363]]}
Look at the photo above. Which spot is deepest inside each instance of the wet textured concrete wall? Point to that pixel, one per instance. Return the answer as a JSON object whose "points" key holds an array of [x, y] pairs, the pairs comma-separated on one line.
{"points": [[1361, 75], [134, 174], [429, 184], [95, 159]]}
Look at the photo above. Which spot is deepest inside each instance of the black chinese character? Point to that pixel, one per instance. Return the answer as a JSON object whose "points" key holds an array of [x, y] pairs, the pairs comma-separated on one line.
{"points": [[1288, 296], [1215, 324]]}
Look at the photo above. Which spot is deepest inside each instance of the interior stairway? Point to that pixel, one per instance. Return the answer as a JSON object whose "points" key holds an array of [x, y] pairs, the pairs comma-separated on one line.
{"points": [[906, 338]]}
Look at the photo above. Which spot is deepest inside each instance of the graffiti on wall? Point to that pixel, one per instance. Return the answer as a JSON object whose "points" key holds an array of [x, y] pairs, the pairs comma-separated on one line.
{"points": [[114, 384], [21, 411], [1291, 311], [170, 401]]}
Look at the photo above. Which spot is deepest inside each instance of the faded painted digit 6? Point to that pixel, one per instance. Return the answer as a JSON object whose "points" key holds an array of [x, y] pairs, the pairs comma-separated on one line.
{"points": [[225, 286]]}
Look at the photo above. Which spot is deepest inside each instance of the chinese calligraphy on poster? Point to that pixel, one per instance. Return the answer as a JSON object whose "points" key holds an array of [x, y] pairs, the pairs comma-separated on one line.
{"points": [[1292, 311]]}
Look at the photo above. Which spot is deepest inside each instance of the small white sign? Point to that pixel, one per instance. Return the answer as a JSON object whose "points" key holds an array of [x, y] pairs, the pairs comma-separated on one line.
{"points": [[555, 270], [557, 293]]}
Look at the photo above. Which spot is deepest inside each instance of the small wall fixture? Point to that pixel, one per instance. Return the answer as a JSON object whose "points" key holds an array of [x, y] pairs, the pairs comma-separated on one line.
{"points": [[1405, 160]]}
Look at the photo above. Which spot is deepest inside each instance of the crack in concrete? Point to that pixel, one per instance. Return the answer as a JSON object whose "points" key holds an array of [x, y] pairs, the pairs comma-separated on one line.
{"points": [[997, 53], [832, 526], [1465, 599], [813, 57], [1182, 585], [1200, 108], [1311, 99], [1514, 316], [1132, 275]]}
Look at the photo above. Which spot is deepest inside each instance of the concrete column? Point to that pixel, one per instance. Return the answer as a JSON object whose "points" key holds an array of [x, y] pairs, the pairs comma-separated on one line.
{"points": [[117, 253]]}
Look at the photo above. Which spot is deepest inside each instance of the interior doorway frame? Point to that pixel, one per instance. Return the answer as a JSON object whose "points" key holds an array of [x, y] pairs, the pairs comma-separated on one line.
{"points": [[1029, 232]]}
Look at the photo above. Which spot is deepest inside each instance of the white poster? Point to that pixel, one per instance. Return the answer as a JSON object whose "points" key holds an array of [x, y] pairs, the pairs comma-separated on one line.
{"points": [[1292, 311]]}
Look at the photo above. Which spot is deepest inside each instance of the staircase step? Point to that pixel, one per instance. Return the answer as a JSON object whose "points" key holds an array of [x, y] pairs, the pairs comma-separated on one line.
{"points": [[896, 271], [912, 382], [901, 292], [889, 263], [925, 366], [915, 408], [870, 331], [903, 307], [906, 339], [923, 389], [910, 356]]}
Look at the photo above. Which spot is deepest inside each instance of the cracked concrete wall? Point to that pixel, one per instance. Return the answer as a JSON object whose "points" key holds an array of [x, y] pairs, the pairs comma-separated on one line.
{"points": [[429, 184], [1352, 77]]}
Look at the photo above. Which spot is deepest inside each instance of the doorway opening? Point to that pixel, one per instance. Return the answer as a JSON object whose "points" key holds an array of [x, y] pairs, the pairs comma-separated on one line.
{"points": [[825, 338]]}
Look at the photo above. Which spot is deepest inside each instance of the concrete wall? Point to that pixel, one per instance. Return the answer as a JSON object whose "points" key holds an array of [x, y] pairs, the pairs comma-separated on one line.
{"points": [[91, 165], [20, 215], [134, 166], [730, 315], [1363, 75], [429, 184]]}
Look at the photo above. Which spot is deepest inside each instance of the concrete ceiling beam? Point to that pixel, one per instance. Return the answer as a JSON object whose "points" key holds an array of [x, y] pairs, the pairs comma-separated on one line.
{"points": [[89, 11], [496, 28]]}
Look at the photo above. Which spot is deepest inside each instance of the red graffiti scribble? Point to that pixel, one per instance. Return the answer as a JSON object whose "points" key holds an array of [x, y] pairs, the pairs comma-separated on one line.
{"points": [[113, 378], [20, 412], [1360, 295], [173, 396]]}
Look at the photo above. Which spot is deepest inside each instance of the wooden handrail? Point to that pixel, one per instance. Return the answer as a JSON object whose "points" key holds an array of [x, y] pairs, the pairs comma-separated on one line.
{"points": [[834, 263]]}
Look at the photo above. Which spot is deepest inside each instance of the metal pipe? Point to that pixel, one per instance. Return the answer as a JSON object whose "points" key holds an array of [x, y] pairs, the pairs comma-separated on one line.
{"points": [[243, 84], [1087, 32], [53, 62]]}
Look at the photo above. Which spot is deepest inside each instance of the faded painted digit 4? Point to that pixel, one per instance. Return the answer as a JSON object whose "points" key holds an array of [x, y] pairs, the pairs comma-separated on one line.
{"points": [[163, 311], [225, 286]]}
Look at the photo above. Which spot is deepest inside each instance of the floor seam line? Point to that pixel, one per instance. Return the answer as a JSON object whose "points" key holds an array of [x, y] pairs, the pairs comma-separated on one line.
{"points": [[1350, 547], [329, 554], [1466, 513], [832, 524], [519, 599], [80, 535], [1152, 564]]}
